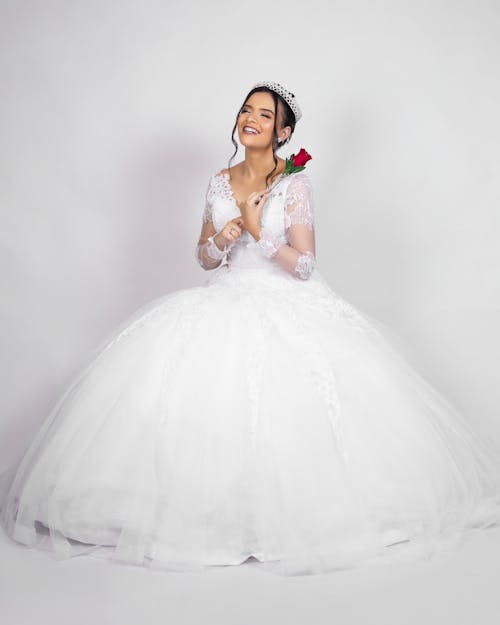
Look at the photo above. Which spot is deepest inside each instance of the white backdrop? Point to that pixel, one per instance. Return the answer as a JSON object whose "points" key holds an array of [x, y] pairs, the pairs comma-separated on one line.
{"points": [[113, 115]]}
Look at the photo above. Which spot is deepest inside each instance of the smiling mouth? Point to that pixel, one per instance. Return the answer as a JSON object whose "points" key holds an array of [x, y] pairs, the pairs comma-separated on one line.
{"points": [[249, 131]]}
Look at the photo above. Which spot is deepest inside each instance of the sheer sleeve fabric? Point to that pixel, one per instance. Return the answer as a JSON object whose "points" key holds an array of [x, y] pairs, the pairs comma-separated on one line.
{"points": [[208, 255], [298, 255]]}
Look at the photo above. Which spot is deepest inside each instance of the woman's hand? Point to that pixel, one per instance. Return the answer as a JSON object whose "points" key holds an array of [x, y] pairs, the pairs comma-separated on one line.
{"points": [[231, 232], [252, 211]]}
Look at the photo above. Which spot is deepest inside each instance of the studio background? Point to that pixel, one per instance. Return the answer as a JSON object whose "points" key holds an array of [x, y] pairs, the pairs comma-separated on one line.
{"points": [[113, 116]]}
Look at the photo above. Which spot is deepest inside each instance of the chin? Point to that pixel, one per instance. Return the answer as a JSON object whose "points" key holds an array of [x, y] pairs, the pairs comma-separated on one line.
{"points": [[250, 141]]}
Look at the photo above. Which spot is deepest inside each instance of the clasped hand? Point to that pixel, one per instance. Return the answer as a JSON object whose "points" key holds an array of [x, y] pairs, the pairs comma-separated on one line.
{"points": [[251, 213]]}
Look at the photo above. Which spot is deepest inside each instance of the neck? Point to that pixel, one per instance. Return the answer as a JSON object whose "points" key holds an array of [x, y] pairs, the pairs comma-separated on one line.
{"points": [[258, 163]]}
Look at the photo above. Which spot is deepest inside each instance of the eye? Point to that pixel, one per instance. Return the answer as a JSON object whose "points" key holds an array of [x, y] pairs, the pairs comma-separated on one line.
{"points": [[268, 116]]}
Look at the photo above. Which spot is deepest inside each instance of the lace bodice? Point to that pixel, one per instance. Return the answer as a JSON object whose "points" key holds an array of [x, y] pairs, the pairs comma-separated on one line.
{"points": [[287, 237]]}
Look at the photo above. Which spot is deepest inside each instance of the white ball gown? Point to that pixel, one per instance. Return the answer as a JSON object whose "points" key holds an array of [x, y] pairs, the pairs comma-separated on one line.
{"points": [[259, 414]]}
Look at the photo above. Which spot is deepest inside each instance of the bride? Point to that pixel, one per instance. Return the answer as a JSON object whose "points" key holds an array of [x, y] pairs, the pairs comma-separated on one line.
{"points": [[256, 417]]}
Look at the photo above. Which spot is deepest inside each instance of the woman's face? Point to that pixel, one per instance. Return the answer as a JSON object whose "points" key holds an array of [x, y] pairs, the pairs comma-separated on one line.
{"points": [[256, 121]]}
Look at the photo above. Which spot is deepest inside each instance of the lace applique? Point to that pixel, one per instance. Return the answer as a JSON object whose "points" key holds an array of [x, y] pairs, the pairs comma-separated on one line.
{"points": [[207, 211], [255, 355], [297, 209], [213, 251], [208, 251], [305, 265], [318, 366], [299, 202], [321, 297], [269, 243], [219, 186], [341, 308], [177, 304]]}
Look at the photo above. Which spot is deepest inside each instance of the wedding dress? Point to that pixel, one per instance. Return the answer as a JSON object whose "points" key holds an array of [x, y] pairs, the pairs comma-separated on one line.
{"points": [[259, 414]]}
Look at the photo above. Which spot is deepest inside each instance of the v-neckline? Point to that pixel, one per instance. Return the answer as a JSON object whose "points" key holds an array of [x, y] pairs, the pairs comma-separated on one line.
{"points": [[225, 175]]}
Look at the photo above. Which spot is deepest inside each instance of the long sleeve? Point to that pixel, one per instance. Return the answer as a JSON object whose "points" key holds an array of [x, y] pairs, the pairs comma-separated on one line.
{"points": [[208, 255], [298, 255]]}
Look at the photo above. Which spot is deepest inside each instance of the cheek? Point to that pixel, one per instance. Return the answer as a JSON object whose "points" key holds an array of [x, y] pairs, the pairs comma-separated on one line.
{"points": [[268, 127]]}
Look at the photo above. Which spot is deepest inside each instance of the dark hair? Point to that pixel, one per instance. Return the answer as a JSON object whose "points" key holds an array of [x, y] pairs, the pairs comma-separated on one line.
{"points": [[288, 120]]}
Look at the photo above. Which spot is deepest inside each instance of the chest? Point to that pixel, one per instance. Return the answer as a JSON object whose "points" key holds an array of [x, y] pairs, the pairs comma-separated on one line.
{"points": [[225, 207]]}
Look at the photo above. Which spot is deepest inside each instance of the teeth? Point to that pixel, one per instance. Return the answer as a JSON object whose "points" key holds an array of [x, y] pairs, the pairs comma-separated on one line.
{"points": [[250, 130]]}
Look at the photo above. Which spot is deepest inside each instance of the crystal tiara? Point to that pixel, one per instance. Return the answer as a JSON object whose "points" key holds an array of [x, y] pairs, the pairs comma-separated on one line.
{"points": [[288, 96]]}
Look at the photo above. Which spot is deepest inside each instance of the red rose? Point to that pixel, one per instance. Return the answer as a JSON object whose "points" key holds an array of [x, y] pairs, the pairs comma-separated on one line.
{"points": [[301, 158], [296, 163]]}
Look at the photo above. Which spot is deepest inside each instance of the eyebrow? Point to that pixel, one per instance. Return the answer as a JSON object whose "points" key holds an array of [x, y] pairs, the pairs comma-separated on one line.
{"points": [[261, 108]]}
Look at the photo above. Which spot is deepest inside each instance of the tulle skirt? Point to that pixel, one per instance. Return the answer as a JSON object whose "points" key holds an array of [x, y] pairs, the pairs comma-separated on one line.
{"points": [[255, 415]]}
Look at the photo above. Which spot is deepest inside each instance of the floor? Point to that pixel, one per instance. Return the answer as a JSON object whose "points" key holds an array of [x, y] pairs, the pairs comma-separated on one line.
{"points": [[461, 587]]}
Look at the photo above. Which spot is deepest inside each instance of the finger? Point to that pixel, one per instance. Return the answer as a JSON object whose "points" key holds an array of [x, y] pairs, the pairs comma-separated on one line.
{"points": [[235, 231], [257, 193], [260, 198]]}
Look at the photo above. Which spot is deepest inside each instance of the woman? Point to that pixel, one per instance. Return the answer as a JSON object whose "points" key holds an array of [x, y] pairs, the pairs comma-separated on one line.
{"points": [[259, 416]]}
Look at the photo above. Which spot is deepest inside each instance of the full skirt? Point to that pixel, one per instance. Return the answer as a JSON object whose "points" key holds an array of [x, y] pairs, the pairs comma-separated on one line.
{"points": [[255, 415]]}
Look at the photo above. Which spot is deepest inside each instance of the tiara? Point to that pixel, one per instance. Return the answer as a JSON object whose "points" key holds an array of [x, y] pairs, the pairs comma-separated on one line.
{"points": [[288, 96]]}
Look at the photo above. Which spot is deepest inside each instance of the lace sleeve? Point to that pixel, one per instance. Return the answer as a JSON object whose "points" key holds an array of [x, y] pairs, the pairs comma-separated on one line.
{"points": [[208, 255], [298, 256], [207, 211]]}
